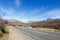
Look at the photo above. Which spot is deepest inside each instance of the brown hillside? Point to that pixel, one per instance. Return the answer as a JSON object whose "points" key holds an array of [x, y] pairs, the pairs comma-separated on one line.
{"points": [[55, 23], [15, 22]]}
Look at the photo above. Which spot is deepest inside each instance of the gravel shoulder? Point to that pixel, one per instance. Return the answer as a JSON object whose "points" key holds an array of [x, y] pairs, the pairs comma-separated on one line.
{"points": [[17, 35]]}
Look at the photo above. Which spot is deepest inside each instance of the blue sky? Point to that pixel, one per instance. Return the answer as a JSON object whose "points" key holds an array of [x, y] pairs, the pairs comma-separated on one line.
{"points": [[30, 10]]}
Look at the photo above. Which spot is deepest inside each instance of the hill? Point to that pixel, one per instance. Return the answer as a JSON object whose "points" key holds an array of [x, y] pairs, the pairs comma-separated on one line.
{"points": [[15, 23], [49, 23]]}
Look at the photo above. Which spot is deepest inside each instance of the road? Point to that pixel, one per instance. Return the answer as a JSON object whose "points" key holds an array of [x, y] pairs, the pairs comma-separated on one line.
{"points": [[38, 34]]}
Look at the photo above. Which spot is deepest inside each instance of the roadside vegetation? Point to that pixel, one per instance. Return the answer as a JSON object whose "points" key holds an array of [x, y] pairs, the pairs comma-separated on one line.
{"points": [[3, 29]]}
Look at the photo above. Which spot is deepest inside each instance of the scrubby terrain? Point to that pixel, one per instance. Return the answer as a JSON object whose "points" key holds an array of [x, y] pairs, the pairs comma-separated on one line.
{"points": [[4, 30], [48, 24], [4, 36]]}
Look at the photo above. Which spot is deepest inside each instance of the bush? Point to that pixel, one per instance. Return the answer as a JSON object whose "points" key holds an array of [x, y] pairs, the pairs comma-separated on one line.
{"points": [[3, 25]]}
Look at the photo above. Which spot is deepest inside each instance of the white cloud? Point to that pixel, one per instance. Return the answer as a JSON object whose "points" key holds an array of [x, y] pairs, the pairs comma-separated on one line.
{"points": [[55, 13], [12, 14], [6, 10], [17, 3], [6, 13], [26, 15], [35, 11], [22, 14]]}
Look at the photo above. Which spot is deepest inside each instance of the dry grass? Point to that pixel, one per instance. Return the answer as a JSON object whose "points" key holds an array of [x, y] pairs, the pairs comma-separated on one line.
{"points": [[1, 34], [46, 29], [49, 30], [4, 36]]}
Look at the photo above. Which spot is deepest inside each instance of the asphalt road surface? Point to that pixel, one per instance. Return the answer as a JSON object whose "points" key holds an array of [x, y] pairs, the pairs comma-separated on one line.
{"points": [[38, 34]]}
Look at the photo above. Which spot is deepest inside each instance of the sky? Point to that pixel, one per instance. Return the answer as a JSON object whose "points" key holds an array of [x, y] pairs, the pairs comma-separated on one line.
{"points": [[29, 10]]}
